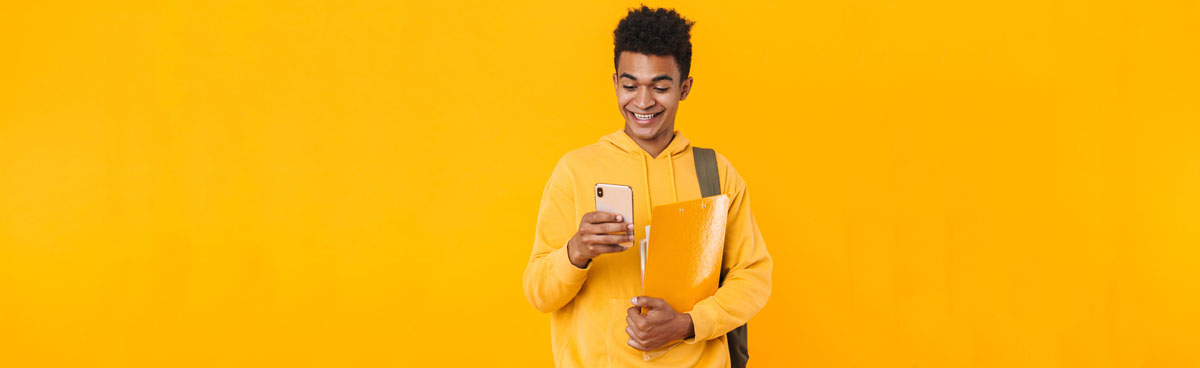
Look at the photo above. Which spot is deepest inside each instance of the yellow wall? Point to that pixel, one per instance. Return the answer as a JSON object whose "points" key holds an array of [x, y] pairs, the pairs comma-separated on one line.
{"points": [[941, 183]]}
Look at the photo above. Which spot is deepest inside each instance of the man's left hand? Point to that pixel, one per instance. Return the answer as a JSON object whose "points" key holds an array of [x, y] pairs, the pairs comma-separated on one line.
{"points": [[659, 326]]}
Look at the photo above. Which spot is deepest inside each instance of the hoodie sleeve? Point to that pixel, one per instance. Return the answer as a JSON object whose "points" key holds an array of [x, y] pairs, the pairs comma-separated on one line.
{"points": [[551, 281], [747, 266]]}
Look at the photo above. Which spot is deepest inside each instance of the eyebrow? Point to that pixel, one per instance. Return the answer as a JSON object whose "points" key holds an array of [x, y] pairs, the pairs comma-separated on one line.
{"points": [[655, 79]]}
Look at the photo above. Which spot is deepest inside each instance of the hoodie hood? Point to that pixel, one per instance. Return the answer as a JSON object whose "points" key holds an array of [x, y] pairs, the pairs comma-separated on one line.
{"points": [[621, 142]]}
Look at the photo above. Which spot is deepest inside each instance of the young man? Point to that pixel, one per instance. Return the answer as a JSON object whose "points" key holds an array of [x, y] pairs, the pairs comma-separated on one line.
{"points": [[580, 273]]}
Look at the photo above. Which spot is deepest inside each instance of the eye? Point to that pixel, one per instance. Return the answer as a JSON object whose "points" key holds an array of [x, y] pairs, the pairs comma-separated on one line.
{"points": [[661, 89], [630, 88]]}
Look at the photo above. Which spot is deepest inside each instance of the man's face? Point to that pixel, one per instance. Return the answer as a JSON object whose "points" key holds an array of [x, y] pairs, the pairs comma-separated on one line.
{"points": [[648, 94]]}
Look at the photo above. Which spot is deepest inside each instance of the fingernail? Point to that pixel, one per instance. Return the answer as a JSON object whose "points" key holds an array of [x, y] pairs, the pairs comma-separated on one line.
{"points": [[635, 300], [619, 219], [630, 227]]}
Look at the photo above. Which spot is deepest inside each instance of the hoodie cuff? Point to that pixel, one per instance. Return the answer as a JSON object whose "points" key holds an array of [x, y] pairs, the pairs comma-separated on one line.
{"points": [[704, 321], [566, 271]]}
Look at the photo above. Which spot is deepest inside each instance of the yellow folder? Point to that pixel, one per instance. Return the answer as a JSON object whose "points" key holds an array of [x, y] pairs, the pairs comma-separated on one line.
{"points": [[683, 256]]}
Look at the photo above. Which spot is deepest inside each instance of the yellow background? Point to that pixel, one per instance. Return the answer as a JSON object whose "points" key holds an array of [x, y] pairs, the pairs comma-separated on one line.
{"points": [[342, 183]]}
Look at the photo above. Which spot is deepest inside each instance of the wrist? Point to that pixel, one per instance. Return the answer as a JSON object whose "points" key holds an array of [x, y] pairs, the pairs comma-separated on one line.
{"points": [[689, 330], [581, 264], [575, 259]]}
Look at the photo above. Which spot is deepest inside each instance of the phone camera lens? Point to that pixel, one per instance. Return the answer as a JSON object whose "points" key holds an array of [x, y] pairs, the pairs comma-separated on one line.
{"points": [[600, 192]]}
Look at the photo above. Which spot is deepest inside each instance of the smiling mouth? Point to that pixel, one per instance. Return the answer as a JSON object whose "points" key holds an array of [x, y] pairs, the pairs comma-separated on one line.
{"points": [[646, 116]]}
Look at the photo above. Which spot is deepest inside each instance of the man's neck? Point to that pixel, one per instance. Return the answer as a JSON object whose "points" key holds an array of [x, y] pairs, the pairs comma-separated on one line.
{"points": [[653, 146]]}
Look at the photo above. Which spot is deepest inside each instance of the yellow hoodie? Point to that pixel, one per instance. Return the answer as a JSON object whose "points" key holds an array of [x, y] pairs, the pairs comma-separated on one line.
{"points": [[587, 327]]}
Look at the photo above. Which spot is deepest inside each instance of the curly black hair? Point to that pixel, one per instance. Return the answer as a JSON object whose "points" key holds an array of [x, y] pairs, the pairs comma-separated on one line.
{"points": [[659, 32]]}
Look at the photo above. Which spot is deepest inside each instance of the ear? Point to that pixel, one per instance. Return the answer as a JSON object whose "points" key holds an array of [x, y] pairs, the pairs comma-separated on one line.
{"points": [[685, 88], [615, 85]]}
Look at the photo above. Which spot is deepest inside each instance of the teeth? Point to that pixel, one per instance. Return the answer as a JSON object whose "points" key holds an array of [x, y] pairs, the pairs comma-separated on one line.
{"points": [[643, 117]]}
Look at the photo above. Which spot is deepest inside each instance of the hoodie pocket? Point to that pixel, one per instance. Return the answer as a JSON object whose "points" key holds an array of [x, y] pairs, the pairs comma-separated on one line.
{"points": [[618, 340], [609, 349]]}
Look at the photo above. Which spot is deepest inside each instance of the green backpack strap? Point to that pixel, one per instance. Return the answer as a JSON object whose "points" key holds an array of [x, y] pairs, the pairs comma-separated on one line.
{"points": [[710, 185], [706, 171]]}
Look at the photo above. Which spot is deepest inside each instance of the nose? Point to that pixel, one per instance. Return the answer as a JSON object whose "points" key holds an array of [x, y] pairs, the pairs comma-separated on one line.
{"points": [[643, 100]]}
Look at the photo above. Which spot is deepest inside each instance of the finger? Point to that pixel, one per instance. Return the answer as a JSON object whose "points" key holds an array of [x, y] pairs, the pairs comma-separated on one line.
{"points": [[597, 217], [651, 345], [591, 229], [634, 318], [612, 239], [637, 323], [613, 228], [634, 334], [636, 345], [606, 228], [608, 239], [605, 248], [649, 302], [640, 323]]}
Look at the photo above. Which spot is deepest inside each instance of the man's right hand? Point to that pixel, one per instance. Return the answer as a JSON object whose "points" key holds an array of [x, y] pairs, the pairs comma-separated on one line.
{"points": [[593, 238]]}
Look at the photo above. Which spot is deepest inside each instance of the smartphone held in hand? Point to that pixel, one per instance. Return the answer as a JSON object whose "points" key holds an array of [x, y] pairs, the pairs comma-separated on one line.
{"points": [[616, 199]]}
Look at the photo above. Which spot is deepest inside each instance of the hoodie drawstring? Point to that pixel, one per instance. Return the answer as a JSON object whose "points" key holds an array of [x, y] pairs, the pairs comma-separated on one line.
{"points": [[646, 179], [674, 195]]}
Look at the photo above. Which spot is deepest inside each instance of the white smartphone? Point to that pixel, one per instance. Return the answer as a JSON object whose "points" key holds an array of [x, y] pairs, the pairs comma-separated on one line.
{"points": [[616, 199]]}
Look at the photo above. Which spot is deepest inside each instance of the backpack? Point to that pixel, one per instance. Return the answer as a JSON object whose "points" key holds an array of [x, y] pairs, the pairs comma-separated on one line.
{"points": [[710, 185]]}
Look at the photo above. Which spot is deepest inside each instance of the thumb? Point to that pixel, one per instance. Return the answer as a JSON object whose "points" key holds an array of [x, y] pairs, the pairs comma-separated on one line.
{"points": [[648, 302]]}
